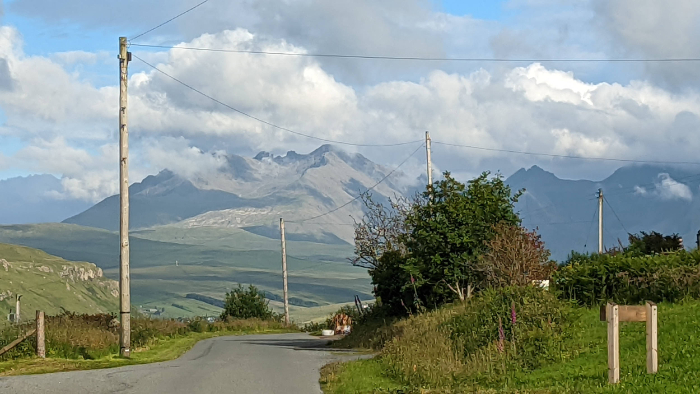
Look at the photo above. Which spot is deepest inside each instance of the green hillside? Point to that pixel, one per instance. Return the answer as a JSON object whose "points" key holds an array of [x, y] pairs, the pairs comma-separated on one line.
{"points": [[50, 283]]}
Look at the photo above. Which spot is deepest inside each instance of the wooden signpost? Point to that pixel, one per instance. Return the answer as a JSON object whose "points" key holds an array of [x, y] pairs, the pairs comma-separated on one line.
{"points": [[613, 314]]}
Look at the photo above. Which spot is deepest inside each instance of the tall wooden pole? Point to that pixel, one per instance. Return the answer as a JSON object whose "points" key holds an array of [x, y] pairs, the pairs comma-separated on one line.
{"points": [[284, 271], [428, 158], [124, 287], [600, 221]]}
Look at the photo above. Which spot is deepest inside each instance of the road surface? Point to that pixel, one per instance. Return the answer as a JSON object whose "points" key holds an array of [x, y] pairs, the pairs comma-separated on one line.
{"points": [[284, 363]]}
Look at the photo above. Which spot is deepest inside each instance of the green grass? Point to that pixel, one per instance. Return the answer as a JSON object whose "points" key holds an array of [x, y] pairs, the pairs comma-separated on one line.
{"points": [[362, 376], [44, 282], [585, 368], [166, 349], [210, 261]]}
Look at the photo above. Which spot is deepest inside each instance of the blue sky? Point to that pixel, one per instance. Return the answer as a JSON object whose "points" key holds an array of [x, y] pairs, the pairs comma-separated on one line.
{"points": [[489, 10]]}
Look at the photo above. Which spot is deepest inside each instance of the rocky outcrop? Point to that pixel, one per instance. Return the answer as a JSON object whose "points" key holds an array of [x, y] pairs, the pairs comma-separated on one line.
{"points": [[83, 274]]}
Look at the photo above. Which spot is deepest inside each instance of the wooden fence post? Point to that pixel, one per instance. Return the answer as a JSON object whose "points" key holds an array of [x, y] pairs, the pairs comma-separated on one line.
{"points": [[652, 338], [40, 335], [613, 318]]}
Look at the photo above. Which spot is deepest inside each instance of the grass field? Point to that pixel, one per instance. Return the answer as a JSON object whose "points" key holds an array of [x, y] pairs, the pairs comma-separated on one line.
{"points": [[168, 262], [584, 372]]}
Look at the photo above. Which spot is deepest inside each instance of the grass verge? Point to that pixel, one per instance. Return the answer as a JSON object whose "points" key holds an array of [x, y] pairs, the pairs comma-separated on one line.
{"points": [[581, 365], [164, 350]]}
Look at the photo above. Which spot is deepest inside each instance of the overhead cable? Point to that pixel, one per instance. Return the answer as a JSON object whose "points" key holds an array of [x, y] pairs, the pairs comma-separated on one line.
{"points": [[420, 58], [265, 121], [166, 22]]}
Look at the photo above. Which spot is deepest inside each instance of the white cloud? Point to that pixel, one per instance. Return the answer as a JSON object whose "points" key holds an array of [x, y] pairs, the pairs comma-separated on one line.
{"points": [[69, 125], [667, 189]]}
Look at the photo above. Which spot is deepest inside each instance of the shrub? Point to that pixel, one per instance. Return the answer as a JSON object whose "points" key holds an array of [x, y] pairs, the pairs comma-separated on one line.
{"points": [[515, 257], [449, 232], [653, 243], [248, 303], [628, 279]]}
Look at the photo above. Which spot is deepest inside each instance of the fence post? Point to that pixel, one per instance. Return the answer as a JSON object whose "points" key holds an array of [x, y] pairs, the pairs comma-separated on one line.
{"points": [[40, 335], [652, 338], [613, 319]]}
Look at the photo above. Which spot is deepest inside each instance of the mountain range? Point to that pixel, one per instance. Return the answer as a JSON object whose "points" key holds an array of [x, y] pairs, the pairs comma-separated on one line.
{"points": [[252, 193]]}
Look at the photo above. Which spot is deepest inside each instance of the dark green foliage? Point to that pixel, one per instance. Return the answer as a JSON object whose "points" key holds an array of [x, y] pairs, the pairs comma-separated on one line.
{"points": [[653, 243], [535, 338], [628, 279], [391, 282], [247, 303], [449, 233]]}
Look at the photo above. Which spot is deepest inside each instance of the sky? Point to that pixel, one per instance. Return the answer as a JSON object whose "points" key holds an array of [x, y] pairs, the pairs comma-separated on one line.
{"points": [[59, 84]]}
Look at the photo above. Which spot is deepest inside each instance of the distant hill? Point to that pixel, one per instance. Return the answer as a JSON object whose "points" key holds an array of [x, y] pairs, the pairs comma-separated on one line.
{"points": [[640, 197], [50, 283], [253, 193], [36, 199]]}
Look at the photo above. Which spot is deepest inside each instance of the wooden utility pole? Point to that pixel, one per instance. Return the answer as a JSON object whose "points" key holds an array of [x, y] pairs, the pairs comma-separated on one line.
{"points": [[124, 287], [429, 159], [40, 335], [284, 271], [600, 221]]}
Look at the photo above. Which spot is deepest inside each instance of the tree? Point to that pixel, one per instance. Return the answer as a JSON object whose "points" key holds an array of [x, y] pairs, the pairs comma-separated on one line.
{"points": [[515, 257], [653, 243], [247, 303], [449, 232]]}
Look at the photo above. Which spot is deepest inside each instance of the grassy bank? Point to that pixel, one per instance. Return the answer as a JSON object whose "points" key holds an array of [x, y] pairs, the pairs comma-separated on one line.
{"points": [[77, 342], [577, 365]]}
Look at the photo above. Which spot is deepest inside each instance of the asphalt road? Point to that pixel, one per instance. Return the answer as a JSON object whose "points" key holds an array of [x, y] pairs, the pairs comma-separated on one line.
{"points": [[284, 363]]}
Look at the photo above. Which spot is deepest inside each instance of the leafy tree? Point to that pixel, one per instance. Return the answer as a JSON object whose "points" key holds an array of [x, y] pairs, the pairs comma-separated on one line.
{"points": [[247, 303], [450, 230], [516, 257], [653, 243]]}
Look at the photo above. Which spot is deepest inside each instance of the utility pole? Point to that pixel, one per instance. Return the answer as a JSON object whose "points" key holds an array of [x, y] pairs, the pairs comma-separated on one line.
{"points": [[429, 160], [600, 221], [284, 271], [124, 287]]}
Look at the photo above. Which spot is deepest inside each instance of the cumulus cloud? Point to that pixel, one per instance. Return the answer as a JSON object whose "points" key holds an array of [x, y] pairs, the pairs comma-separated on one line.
{"points": [[536, 107], [667, 189]]}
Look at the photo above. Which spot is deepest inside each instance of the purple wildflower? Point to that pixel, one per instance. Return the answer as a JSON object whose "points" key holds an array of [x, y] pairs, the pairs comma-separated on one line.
{"points": [[513, 315]]}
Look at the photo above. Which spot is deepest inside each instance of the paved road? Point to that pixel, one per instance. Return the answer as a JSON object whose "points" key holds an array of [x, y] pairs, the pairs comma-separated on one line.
{"points": [[284, 363]]}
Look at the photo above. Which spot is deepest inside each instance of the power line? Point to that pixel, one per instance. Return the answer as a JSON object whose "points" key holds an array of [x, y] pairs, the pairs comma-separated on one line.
{"points": [[420, 58], [168, 21], [565, 156], [265, 121], [360, 195], [615, 213], [588, 233]]}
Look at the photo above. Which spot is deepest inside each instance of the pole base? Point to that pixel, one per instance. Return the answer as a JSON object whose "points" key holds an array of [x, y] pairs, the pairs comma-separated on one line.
{"points": [[125, 352]]}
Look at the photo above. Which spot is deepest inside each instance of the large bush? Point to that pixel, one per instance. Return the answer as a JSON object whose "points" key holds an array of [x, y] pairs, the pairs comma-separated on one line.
{"points": [[241, 303], [515, 257], [629, 279], [450, 232]]}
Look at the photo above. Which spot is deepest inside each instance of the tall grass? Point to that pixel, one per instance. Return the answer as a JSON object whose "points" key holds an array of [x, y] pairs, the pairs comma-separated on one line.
{"points": [[75, 336]]}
